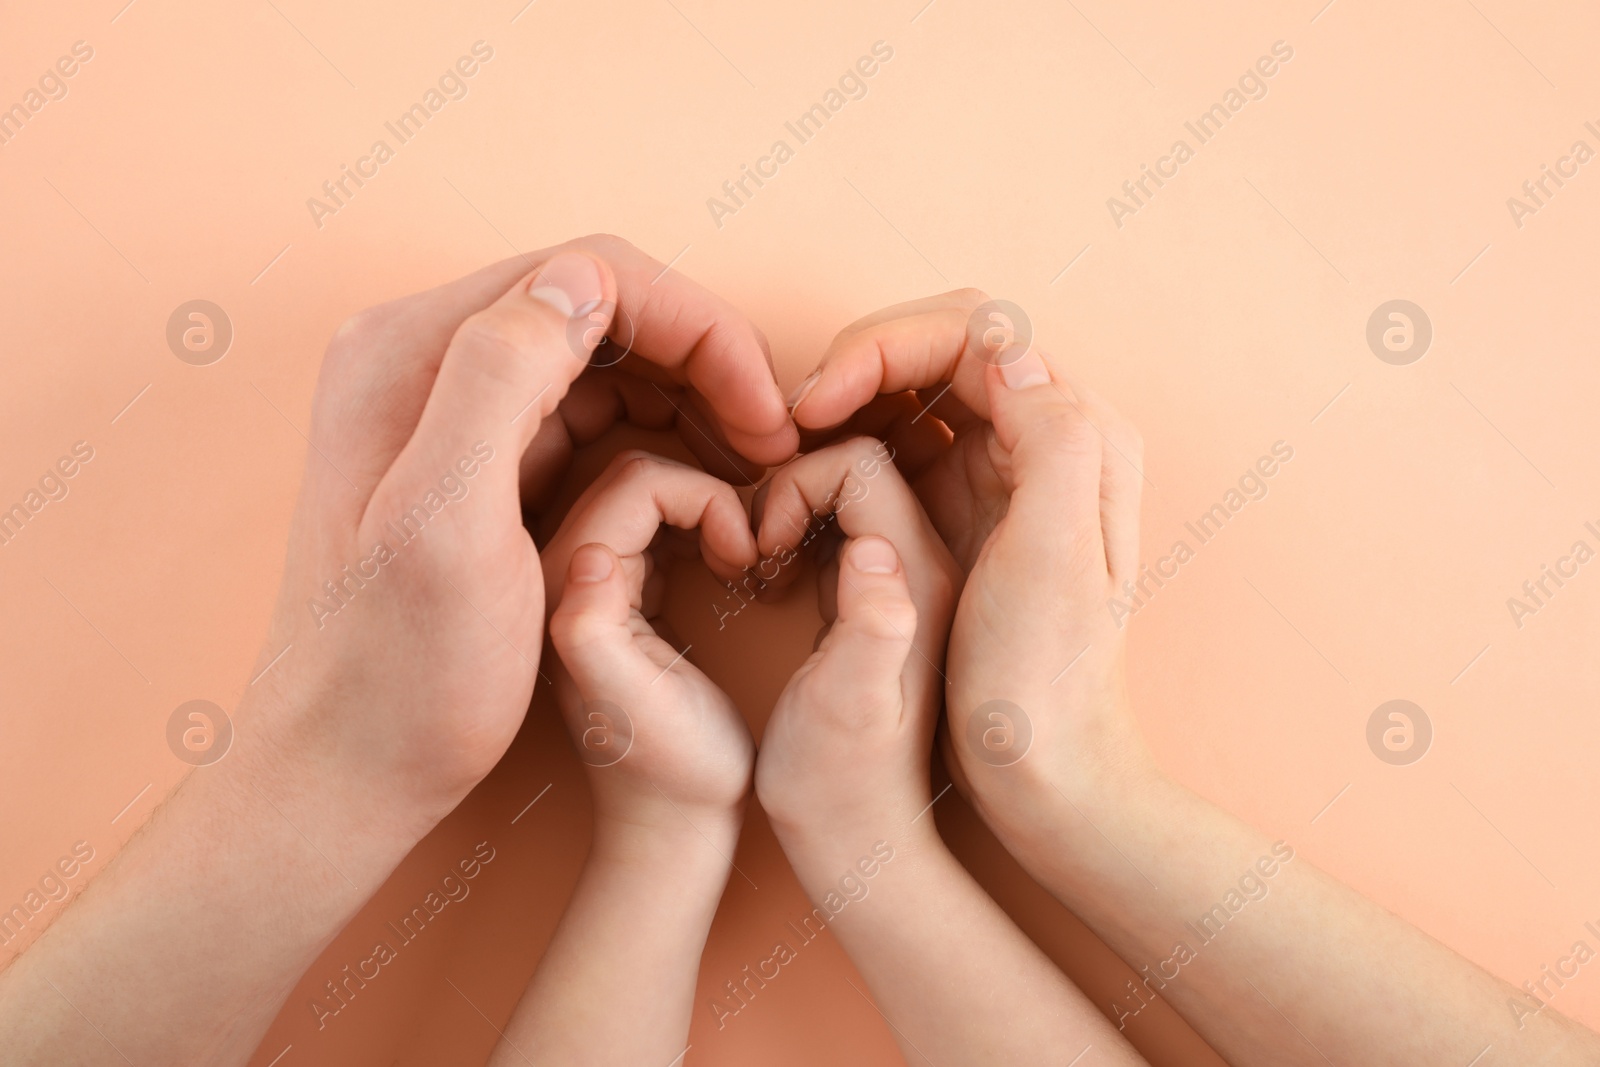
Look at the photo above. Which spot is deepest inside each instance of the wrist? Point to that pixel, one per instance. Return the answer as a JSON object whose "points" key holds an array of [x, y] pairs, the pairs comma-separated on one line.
{"points": [[1075, 754], [674, 840], [838, 871], [821, 851], [1058, 820], [299, 733], [280, 773]]}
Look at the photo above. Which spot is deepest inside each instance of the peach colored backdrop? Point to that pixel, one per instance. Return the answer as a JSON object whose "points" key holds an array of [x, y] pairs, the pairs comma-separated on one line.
{"points": [[1225, 310]]}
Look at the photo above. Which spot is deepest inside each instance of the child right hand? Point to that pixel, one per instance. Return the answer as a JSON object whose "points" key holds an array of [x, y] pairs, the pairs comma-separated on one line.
{"points": [[844, 775], [844, 758]]}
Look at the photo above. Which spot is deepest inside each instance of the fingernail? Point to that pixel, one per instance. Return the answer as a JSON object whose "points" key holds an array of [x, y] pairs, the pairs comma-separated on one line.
{"points": [[1026, 372], [803, 390], [593, 565], [874, 555], [567, 282]]}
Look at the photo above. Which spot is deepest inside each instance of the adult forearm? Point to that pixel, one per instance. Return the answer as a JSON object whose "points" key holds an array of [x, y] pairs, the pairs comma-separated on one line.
{"points": [[1270, 959], [210, 915]]}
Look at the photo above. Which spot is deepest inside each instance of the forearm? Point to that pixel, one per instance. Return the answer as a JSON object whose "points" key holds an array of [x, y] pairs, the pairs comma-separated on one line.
{"points": [[210, 915], [616, 985], [955, 978], [1271, 960]]}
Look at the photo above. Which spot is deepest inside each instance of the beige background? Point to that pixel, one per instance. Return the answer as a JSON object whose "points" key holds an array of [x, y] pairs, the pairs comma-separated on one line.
{"points": [[1227, 314]]}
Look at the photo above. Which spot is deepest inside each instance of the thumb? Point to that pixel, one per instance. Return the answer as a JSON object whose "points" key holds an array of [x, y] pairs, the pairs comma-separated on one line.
{"points": [[590, 627], [506, 369], [1054, 449], [866, 650]]}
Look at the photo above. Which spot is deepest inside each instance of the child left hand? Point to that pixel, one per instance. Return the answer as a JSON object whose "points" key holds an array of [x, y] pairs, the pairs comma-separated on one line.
{"points": [[663, 743]]}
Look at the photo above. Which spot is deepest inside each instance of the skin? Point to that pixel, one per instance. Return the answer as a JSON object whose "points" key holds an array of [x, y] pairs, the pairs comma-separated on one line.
{"points": [[843, 776], [376, 723], [669, 762], [366, 725], [1037, 493]]}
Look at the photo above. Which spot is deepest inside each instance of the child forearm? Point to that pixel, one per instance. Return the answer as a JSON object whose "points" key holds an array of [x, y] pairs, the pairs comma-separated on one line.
{"points": [[955, 978], [616, 985]]}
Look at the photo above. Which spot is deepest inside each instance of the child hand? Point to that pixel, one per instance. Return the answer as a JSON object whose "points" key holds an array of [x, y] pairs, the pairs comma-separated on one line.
{"points": [[843, 774], [665, 746], [845, 753]]}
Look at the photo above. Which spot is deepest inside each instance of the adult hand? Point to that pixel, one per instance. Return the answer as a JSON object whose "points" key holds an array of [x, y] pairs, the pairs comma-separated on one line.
{"points": [[1036, 490], [482, 374], [404, 647]]}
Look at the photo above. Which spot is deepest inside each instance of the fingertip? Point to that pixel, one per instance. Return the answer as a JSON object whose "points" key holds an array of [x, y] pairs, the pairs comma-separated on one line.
{"points": [[1025, 371], [729, 561], [873, 555], [766, 449], [835, 390], [799, 393], [592, 611], [574, 283], [873, 592], [725, 534], [590, 564]]}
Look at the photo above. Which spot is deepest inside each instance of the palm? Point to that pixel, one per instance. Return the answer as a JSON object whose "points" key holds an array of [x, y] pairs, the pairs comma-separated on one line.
{"points": [[693, 743], [964, 495]]}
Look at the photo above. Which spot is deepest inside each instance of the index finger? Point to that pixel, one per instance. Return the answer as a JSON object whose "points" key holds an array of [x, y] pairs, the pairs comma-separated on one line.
{"points": [[921, 344], [701, 341], [695, 337], [857, 483]]}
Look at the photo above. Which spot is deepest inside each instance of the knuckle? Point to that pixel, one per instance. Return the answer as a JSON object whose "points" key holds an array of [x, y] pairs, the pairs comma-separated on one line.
{"points": [[605, 242], [634, 465], [572, 629], [1066, 431], [629, 456], [358, 333], [725, 495], [487, 333], [860, 445], [493, 343], [890, 618], [864, 455]]}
